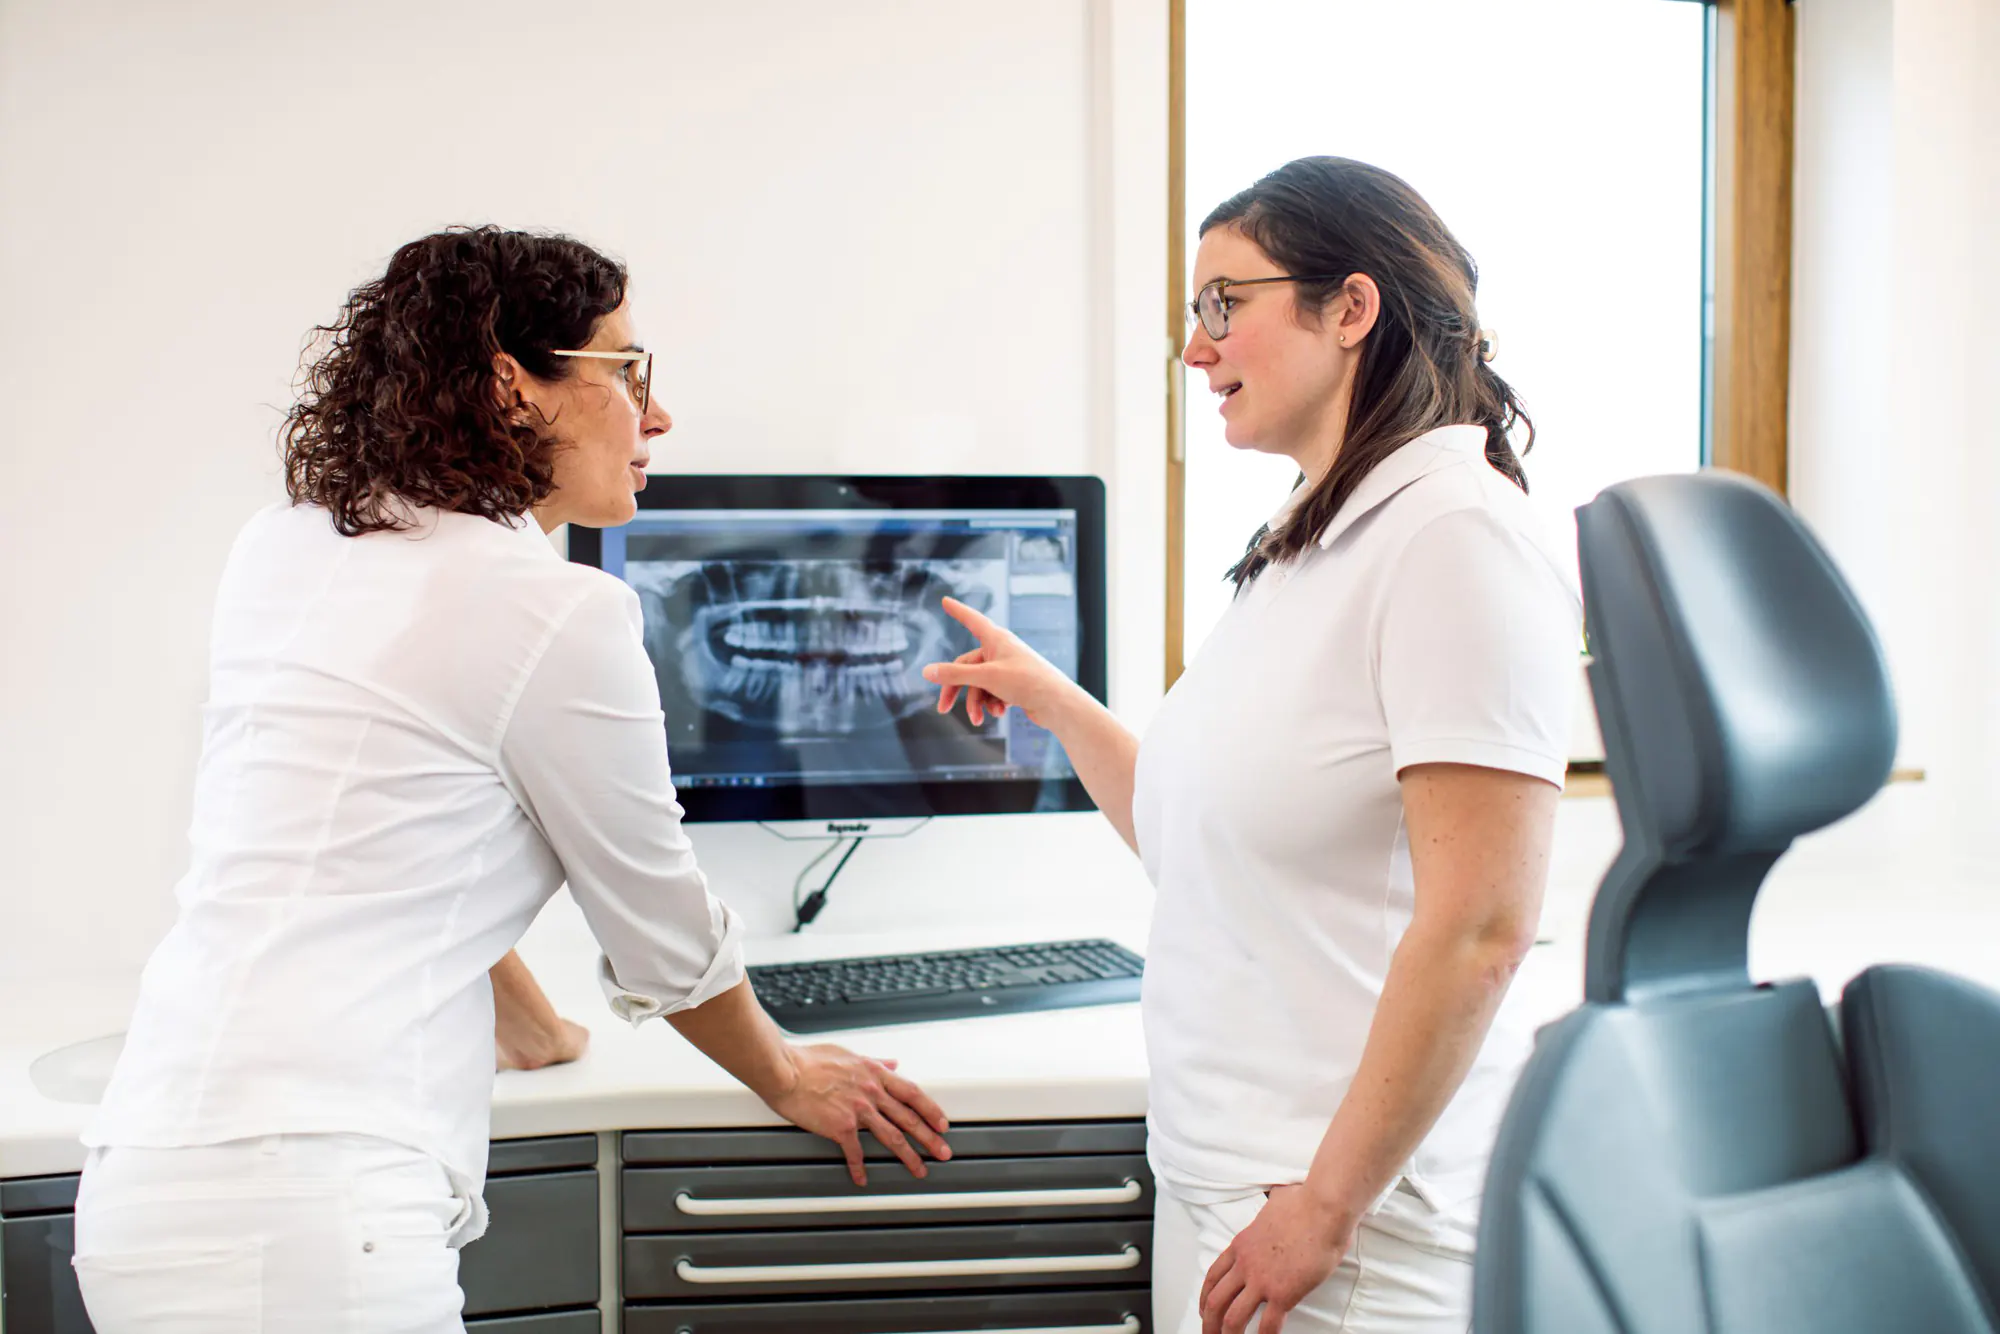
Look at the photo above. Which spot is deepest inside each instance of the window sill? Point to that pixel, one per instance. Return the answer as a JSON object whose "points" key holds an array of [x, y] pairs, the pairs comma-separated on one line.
{"points": [[1586, 778]]}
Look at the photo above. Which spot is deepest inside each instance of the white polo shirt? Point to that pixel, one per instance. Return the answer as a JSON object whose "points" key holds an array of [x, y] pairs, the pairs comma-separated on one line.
{"points": [[1433, 622], [411, 740]]}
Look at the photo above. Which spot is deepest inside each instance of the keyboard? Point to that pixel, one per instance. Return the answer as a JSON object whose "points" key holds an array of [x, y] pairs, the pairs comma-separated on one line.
{"points": [[913, 988]]}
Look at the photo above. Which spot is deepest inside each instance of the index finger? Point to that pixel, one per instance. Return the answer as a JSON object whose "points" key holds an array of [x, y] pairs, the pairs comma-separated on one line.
{"points": [[921, 1102], [972, 620], [912, 1126]]}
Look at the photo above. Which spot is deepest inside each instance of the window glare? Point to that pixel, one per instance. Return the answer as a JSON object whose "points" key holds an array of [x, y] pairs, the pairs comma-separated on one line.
{"points": [[1560, 140]]}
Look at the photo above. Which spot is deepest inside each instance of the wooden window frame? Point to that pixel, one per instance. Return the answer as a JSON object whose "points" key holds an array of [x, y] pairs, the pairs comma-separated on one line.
{"points": [[1752, 106], [1176, 340], [1755, 46]]}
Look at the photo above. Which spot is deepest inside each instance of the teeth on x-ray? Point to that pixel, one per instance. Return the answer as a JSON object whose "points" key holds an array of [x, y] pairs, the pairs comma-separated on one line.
{"points": [[816, 647], [807, 631]]}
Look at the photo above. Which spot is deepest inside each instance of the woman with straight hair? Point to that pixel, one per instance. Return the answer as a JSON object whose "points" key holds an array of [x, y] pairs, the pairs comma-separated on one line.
{"points": [[421, 722], [1346, 802]]}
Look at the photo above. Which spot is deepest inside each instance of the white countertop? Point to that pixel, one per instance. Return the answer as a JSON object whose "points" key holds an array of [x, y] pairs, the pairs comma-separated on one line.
{"points": [[1058, 1064], [1874, 888]]}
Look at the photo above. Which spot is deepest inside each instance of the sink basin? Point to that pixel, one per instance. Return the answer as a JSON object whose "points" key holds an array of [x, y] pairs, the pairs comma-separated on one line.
{"points": [[78, 1072]]}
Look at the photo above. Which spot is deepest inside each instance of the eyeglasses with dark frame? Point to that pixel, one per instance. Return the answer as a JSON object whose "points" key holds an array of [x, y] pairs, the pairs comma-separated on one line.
{"points": [[639, 373], [1211, 304]]}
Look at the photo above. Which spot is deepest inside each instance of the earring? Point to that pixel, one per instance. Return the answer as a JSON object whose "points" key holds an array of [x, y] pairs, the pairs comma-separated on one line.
{"points": [[1343, 340]]}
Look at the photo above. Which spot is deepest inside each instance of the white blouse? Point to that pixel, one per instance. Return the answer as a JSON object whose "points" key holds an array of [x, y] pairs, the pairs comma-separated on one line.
{"points": [[1430, 623], [411, 740]]}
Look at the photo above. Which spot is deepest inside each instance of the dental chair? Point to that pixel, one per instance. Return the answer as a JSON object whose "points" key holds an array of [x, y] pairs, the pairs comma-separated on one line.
{"points": [[1691, 1152]]}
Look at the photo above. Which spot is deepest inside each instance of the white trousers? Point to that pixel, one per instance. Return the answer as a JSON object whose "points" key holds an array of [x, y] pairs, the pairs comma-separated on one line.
{"points": [[289, 1234], [1387, 1284]]}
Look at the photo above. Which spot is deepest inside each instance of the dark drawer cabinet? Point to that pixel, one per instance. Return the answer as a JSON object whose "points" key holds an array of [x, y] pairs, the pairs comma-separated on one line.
{"points": [[534, 1272], [541, 1248], [1029, 1226], [38, 1293]]}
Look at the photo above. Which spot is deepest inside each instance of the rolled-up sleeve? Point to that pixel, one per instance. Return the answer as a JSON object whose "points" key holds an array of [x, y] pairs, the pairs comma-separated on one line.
{"points": [[585, 754]]}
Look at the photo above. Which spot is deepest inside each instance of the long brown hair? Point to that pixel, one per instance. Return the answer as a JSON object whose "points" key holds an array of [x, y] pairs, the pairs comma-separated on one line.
{"points": [[399, 403], [1421, 367]]}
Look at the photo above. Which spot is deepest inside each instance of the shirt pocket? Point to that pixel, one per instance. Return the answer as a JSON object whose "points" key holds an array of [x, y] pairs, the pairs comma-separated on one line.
{"points": [[215, 1289]]}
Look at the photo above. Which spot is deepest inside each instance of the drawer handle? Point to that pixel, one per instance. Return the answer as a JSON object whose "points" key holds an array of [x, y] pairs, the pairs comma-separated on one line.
{"points": [[1129, 1325], [872, 1204], [1128, 1258]]}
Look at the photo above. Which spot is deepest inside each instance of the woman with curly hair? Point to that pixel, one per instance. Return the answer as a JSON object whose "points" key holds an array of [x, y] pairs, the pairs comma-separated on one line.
{"points": [[421, 722]]}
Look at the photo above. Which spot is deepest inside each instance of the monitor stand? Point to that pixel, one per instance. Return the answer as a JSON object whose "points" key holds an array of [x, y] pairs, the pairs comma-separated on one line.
{"points": [[806, 906], [805, 831]]}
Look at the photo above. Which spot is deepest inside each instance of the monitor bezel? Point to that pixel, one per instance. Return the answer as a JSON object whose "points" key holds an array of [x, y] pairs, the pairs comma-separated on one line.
{"points": [[1083, 494]]}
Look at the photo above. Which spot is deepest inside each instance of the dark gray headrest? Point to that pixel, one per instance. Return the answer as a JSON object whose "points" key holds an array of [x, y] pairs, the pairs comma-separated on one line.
{"points": [[1743, 675], [1743, 701]]}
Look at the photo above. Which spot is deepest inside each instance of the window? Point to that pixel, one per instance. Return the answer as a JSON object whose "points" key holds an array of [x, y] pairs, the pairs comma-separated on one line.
{"points": [[1561, 140]]}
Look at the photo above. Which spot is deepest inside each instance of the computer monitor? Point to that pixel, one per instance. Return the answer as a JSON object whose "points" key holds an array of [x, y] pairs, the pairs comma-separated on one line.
{"points": [[789, 620]]}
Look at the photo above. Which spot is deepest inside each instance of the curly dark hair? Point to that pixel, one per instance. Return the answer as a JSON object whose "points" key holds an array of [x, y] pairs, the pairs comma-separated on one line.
{"points": [[399, 403]]}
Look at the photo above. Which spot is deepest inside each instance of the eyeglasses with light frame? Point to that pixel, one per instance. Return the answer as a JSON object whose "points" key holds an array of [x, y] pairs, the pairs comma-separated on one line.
{"points": [[638, 371], [1211, 304]]}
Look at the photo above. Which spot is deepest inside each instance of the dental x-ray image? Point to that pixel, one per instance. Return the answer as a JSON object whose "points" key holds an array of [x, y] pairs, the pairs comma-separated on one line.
{"points": [[1039, 549], [773, 666]]}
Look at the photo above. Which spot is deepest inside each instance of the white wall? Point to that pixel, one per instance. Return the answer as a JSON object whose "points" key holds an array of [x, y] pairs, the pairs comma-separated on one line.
{"points": [[1842, 477], [893, 236], [1893, 434]]}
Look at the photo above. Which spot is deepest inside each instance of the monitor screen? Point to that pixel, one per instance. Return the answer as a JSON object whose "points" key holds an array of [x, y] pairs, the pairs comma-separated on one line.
{"points": [[789, 620]]}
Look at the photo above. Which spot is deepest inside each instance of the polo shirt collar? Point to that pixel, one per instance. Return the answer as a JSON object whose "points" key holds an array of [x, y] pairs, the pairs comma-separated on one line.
{"points": [[1430, 452]]}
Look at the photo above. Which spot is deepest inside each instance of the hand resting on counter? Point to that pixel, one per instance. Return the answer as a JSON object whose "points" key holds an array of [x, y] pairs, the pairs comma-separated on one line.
{"points": [[822, 1088], [825, 1089], [527, 1032]]}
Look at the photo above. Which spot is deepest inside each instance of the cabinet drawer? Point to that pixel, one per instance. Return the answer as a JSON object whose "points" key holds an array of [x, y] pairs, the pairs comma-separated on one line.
{"points": [[38, 1293], [973, 1190], [511, 1157], [38, 1195], [990, 1139], [1116, 1311], [717, 1265], [540, 1248], [559, 1322]]}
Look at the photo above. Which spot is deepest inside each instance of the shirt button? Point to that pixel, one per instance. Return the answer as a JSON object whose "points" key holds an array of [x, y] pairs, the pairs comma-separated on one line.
{"points": [[367, 1245]]}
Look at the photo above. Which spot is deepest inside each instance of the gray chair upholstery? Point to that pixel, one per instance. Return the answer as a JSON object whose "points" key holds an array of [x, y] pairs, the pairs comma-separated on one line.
{"points": [[1689, 1151], [1923, 1052]]}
